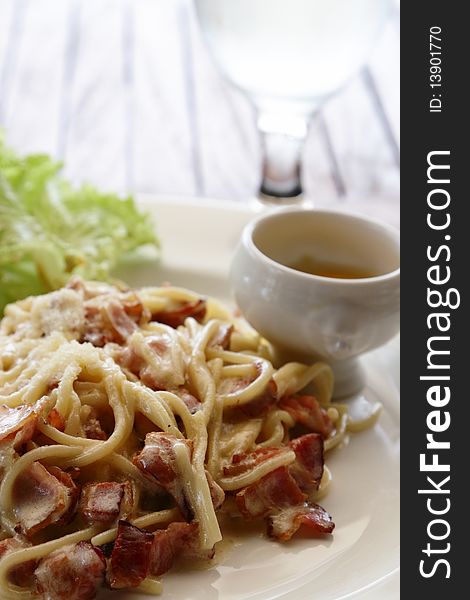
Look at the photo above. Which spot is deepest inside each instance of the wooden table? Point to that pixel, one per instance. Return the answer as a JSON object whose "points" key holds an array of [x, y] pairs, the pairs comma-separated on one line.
{"points": [[126, 94]]}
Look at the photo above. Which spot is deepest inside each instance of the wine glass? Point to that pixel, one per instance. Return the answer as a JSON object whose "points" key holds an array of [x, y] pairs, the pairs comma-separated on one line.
{"points": [[289, 56]]}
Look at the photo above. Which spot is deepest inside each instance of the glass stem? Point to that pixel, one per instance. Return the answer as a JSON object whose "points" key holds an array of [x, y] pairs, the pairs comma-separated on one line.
{"points": [[282, 142]]}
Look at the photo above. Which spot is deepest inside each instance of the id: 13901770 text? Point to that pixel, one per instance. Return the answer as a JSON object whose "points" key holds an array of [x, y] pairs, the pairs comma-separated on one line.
{"points": [[435, 69]]}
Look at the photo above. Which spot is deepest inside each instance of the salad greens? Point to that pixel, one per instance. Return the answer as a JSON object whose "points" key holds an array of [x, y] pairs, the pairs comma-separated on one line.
{"points": [[50, 230]]}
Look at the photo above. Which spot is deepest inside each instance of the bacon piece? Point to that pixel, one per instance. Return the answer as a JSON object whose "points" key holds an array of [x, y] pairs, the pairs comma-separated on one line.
{"points": [[262, 403], [92, 426], [178, 540], [307, 411], [74, 472], [230, 385], [280, 496], [93, 430], [129, 358], [135, 309], [241, 463], [192, 403], [12, 544], [257, 406], [284, 524], [71, 573], [122, 325], [18, 423], [128, 500], [76, 283], [217, 493], [175, 318], [42, 497], [21, 575], [130, 557], [111, 320], [158, 343], [94, 331], [143, 425], [158, 461], [55, 419], [67, 479], [190, 546], [105, 502], [307, 469], [160, 374], [274, 491], [222, 337], [162, 553]]}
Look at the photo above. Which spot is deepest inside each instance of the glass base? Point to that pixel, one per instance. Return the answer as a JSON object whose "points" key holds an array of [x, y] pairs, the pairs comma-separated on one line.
{"points": [[281, 176], [269, 193], [349, 377]]}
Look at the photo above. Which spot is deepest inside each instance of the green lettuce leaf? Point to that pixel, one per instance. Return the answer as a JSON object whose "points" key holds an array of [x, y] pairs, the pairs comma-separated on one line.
{"points": [[50, 230]]}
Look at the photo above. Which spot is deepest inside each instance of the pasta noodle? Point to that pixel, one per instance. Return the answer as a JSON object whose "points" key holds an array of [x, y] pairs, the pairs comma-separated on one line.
{"points": [[151, 404]]}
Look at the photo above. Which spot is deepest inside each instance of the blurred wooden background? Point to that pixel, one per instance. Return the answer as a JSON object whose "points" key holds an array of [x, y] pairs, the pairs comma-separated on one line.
{"points": [[126, 94]]}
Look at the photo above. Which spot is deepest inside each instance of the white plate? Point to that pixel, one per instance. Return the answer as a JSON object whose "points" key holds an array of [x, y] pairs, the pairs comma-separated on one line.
{"points": [[361, 559]]}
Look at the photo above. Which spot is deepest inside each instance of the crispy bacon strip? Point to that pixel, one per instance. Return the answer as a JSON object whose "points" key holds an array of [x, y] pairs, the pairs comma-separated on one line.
{"points": [[105, 502], [93, 430], [94, 331], [71, 573], [241, 463], [158, 343], [158, 461], [217, 493], [284, 524], [111, 320], [281, 495], [121, 324], [143, 425], [263, 403], [55, 419], [307, 411], [178, 540], [73, 492], [138, 553], [135, 309], [162, 553], [192, 403], [164, 377], [222, 337], [129, 359], [92, 426], [307, 469], [175, 318], [274, 491], [12, 544], [129, 564], [76, 283], [43, 496], [18, 423], [21, 575]]}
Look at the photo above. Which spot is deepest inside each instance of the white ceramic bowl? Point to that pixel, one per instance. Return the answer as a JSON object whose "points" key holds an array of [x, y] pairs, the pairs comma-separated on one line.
{"points": [[312, 316]]}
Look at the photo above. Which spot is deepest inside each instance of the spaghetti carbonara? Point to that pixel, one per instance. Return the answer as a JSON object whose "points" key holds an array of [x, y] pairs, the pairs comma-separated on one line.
{"points": [[131, 419]]}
